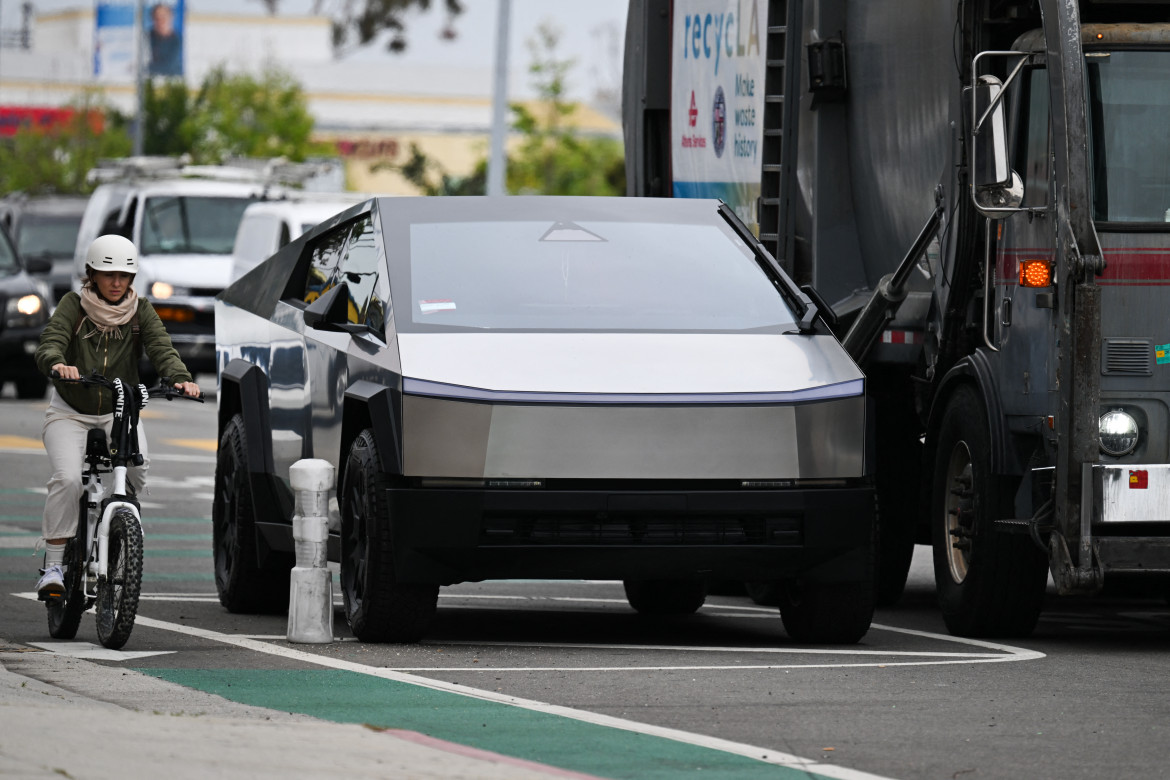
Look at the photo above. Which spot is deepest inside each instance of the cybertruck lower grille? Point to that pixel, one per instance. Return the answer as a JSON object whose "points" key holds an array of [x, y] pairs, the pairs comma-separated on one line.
{"points": [[667, 531]]}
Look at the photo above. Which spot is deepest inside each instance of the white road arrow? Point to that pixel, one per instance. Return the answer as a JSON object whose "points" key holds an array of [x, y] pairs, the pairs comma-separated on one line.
{"points": [[92, 652]]}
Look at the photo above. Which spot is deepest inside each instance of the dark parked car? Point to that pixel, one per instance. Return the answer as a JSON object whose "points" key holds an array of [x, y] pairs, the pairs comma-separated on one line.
{"points": [[615, 388], [44, 227], [25, 305]]}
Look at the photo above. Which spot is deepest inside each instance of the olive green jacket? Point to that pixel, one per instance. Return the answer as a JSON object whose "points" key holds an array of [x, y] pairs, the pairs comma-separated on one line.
{"points": [[110, 356]]}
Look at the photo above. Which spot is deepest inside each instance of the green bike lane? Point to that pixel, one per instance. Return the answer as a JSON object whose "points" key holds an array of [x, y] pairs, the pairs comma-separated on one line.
{"points": [[574, 740]]}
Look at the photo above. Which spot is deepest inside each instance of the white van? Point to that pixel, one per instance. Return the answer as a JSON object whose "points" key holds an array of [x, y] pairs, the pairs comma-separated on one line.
{"points": [[269, 225], [184, 229]]}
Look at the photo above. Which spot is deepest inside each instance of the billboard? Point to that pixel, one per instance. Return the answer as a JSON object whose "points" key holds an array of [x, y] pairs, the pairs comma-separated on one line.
{"points": [[717, 101], [114, 40], [113, 44], [164, 26]]}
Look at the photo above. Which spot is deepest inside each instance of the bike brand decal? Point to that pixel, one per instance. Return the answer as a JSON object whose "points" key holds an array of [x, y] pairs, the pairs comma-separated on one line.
{"points": [[120, 402]]}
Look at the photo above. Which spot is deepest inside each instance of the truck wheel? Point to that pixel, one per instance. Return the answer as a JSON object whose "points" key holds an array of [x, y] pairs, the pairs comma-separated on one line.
{"points": [[666, 597], [988, 583], [827, 612], [243, 586], [377, 606]]}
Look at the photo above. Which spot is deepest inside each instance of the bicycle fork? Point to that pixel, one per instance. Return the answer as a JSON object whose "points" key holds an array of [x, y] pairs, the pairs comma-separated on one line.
{"points": [[98, 525]]}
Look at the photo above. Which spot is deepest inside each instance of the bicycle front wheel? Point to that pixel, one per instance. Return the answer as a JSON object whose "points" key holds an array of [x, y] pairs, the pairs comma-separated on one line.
{"points": [[117, 602]]}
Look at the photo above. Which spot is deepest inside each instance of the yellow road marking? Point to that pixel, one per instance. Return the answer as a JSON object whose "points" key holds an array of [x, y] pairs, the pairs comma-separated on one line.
{"points": [[20, 442], [198, 444]]}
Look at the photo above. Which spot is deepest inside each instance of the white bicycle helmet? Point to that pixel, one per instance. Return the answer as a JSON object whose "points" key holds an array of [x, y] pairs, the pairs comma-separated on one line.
{"points": [[112, 253]]}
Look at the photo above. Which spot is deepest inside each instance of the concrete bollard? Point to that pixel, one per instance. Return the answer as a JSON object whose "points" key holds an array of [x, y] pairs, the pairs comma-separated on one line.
{"points": [[310, 600]]}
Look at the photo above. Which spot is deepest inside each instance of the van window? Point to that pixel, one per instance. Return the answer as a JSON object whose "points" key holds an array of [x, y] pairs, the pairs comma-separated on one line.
{"points": [[185, 224], [254, 239]]}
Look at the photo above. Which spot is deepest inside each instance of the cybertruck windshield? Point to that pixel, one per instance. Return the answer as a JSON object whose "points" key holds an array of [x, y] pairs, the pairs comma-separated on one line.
{"points": [[528, 273], [1129, 111]]}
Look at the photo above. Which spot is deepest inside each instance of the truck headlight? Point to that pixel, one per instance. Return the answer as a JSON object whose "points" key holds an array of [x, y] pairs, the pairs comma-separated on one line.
{"points": [[27, 311], [1119, 433]]}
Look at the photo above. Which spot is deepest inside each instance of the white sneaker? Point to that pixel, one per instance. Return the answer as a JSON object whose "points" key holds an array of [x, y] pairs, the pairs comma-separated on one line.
{"points": [[52, 583]]}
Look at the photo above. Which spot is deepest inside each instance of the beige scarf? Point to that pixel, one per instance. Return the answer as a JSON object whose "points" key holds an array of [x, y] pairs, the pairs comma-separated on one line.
{"points": [[107, 318]]}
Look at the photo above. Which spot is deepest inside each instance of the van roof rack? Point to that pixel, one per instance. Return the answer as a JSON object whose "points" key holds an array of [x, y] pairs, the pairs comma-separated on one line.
{"points": [[277, 171]]}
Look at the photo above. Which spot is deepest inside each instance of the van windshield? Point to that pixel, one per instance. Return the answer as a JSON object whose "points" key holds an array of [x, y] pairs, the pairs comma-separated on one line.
{"points": [[187, 224], [1129, 111]]}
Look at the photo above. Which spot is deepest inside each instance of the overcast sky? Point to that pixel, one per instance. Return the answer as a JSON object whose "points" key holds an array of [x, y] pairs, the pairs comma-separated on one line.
{"points": [[591, 33]]}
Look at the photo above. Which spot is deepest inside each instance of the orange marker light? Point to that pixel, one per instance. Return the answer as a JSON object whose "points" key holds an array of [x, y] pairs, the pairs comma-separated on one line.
{"points": [[1035, 273]]}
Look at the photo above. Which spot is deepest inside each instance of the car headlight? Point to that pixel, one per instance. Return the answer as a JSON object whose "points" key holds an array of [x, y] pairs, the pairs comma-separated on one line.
{"points": [[161, 290], [26, 311], [1119, 433]]}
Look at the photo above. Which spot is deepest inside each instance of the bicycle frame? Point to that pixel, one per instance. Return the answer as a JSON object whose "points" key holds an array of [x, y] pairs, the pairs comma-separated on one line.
{"points": [[123, 451]]}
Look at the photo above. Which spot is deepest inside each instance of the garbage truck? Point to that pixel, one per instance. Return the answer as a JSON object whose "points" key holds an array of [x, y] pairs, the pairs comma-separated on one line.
{"points": [[979, 190]]}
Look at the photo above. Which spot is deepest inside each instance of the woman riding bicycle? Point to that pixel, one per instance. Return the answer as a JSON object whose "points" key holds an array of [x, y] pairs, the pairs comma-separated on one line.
{"points": [[104, 328]]}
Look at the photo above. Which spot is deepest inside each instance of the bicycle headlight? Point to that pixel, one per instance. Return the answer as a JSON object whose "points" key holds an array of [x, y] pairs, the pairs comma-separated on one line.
{"points": [[26, 311], [1119, 433]]}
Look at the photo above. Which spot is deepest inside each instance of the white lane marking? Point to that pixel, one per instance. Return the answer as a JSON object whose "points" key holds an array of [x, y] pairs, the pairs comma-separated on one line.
{"points": [[92, 652], [718, 649], [766, 755]]}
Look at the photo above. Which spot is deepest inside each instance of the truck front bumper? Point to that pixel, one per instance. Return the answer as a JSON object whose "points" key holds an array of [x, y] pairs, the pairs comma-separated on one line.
{"points": [[1131, 517]]}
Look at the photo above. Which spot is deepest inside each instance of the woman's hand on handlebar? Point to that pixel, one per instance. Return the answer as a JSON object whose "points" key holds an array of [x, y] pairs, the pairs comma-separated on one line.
{"points": [[188, 388], [62, 371]]}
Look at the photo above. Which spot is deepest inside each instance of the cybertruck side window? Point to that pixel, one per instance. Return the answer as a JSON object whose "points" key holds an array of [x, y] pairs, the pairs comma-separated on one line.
{"points": [[359, 269], [323, 258]]}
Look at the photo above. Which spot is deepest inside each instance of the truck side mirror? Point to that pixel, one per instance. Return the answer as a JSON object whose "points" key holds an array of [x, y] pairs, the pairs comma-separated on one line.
{"points": [[998, 190]]}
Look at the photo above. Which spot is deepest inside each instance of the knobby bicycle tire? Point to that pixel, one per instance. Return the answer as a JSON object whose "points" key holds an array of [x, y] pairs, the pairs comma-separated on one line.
{"points": [[117, 603]]}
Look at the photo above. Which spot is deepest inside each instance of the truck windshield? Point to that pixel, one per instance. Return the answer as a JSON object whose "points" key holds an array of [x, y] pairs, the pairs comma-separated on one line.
{"points": [[1129, 111], [186, 224], [48, 237]]}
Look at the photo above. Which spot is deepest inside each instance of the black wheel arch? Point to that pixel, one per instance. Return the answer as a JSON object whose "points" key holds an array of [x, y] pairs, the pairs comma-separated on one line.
{"points": [[244, 390], [377, 407], [975, 370]]}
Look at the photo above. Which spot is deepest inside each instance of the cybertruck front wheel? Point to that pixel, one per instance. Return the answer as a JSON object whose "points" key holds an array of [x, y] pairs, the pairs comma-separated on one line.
{"points": [[377, 606]]}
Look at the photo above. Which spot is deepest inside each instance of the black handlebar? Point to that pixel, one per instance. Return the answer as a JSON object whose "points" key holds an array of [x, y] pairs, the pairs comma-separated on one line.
{"points": [[164, 389]]}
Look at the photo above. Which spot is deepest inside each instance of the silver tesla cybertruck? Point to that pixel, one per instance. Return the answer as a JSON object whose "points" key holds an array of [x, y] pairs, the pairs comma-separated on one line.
{"points": [[547, 388]]}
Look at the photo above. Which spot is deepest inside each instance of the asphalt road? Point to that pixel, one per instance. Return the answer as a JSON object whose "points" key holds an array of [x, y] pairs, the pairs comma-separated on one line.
{"points": [[565, 674]]}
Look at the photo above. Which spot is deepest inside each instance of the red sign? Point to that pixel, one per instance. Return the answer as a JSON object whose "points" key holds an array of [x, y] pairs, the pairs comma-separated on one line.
{"points": [[693, 113], [13, 118], [1139, 479]]}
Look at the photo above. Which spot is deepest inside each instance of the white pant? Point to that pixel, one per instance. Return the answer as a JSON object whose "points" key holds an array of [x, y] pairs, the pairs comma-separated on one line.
{"points": [[64, 435]]}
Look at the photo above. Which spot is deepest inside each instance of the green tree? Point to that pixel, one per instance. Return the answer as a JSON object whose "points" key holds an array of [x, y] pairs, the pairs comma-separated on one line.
{"points": [[432, 179], [231, 115], [357, 22], [56, 159], [554, 157]]}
